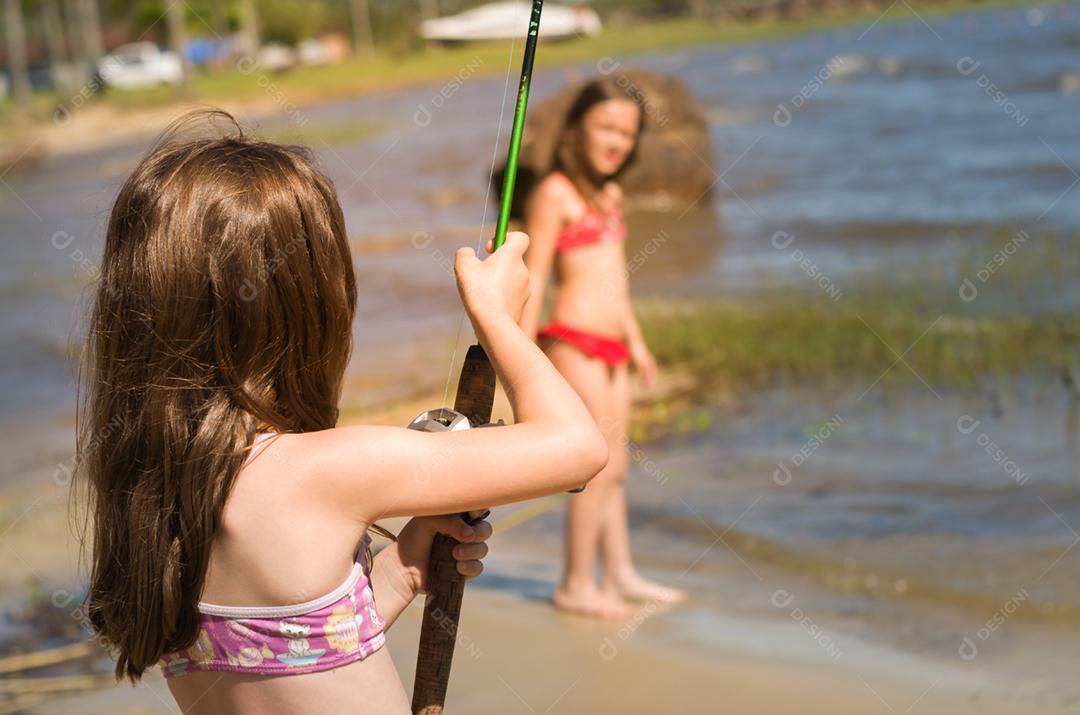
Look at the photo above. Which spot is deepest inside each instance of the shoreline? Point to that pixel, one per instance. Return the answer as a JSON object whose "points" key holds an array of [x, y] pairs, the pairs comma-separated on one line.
{"points": [[572, 665], [128, 117], [728, 634]]}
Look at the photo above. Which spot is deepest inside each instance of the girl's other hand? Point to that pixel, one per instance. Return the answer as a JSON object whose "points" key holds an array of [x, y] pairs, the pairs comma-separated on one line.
{"points": [[414, 545], [499, 282], [644, 363]]}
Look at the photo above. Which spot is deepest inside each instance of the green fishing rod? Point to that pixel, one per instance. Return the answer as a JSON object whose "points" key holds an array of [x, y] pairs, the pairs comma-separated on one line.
{"points": [[472, 408], [510, 173]]}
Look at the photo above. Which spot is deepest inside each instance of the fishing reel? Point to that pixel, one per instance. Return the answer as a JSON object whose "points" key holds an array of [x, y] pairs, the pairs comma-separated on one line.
{"points": [[441, 419], [444, 419]]}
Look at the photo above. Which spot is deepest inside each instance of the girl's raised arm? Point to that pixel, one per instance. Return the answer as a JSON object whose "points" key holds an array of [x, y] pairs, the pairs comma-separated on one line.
{"points": [[554, 445], [543, 220]]}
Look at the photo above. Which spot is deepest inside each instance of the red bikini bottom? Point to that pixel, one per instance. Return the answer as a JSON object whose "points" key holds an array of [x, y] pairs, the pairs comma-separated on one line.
{"points": [[611, 351]]}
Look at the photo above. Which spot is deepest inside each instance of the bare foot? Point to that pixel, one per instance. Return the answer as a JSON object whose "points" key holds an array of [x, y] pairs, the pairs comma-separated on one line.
{"points": [[592, 602], [636, 588]]}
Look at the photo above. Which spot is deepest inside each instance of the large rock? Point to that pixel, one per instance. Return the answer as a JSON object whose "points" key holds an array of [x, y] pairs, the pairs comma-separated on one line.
{"points": [[673, 166]]}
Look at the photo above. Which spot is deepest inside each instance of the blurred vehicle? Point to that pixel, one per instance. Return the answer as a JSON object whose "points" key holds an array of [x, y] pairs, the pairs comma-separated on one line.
{"points": [[503, 20], [312, 52], [327, 49], [204, 51], [275, 57], [140, 64], [40, 75]]}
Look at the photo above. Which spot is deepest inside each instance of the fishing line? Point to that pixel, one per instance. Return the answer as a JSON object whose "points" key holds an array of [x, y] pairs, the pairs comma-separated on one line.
{"points": [[487, 199]]}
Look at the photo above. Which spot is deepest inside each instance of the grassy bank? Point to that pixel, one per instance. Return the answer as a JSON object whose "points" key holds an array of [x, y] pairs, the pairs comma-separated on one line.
{"points": [[306, 85], [788, 341], [996, 307], [721, 352]]}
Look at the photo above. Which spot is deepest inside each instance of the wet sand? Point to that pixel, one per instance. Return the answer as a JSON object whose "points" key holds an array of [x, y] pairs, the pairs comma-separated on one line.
{"points": [[520, 656], [730, 649], [516, 655], [529, 658]]}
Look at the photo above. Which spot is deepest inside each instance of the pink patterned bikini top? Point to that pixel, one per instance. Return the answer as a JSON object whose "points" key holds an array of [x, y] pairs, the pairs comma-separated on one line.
{"points": [[324, 633], [341, 627]]}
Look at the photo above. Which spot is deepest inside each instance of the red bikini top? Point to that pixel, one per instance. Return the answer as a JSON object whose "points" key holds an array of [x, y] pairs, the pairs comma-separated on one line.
{"points": [[592, 227]]}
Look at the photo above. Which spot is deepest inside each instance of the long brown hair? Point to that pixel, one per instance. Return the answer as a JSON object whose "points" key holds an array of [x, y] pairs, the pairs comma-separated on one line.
{"points": [[569, 156], [225, 304]]}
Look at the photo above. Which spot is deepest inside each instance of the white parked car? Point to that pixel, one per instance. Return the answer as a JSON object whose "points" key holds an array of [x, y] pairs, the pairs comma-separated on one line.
{"points": [[140, 64], [275, 57]]}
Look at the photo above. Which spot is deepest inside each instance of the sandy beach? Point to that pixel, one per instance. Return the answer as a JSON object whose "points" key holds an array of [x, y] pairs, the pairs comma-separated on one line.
{"points": [[516, 654], [738, 645]]}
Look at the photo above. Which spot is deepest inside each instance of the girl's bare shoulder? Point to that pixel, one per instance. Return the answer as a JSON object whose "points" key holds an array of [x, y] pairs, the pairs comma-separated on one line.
{"points": [[344, 464], [554, 188], [310, 458], [613, 192]]}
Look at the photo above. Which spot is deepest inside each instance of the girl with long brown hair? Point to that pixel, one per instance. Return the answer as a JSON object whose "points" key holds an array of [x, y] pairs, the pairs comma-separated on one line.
{"points": [[228, 513], [575, 221]]}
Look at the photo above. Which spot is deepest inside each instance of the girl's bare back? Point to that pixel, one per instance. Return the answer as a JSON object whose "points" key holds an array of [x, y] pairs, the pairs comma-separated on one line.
{"points": [[280, 545]]}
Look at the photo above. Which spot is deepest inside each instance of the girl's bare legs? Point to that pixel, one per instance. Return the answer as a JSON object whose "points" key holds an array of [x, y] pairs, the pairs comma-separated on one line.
{"points": [[578, 591], [620, 576]]}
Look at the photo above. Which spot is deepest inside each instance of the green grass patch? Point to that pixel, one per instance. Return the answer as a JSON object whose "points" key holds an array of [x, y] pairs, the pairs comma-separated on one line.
{"points": [[1022, 321], [791, 340]]}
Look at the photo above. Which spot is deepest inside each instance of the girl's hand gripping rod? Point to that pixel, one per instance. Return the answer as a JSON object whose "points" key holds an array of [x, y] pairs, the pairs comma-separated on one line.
{"points": [[472, 408]]}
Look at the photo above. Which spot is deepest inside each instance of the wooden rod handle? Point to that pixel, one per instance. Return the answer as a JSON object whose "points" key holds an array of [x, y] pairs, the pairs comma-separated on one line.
{"points": [[438, 632]]}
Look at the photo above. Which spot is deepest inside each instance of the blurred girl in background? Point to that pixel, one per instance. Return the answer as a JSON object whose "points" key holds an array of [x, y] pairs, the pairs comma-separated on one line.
{"points": [[575, 222]]}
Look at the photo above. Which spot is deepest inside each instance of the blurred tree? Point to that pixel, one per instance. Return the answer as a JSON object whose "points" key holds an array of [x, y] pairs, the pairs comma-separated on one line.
{"points": [[289, 21], [176, 18], [15, 36], [249, 29], [84, 37], [699, 8], [429, 9], [219, 20], [363, 43], [53, 28], [88, 17]]}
